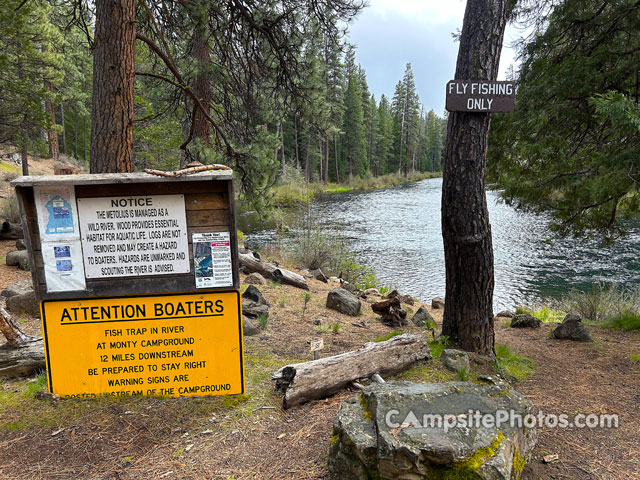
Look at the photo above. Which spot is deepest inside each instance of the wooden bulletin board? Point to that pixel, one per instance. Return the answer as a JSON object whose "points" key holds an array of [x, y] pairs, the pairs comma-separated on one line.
{"points": [[208, 208]]}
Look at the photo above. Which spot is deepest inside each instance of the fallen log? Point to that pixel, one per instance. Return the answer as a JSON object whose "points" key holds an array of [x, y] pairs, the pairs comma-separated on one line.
{"points": [[24, 360], [290, 278], [315, 379], [269, 270]]}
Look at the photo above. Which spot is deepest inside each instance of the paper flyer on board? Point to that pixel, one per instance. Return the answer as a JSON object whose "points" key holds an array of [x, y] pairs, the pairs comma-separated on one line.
{"points": [[60, 238], [212, 259], [63, 266], [57, 213]]}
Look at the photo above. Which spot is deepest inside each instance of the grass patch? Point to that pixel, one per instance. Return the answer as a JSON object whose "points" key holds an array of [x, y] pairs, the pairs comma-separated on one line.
{"points": [[463, 374], [335, 328], [635, 357], [626, 321], [436, 348], [512, 364], [263, 320], [544, 314], [428, 373], [323, 328], [388, 336]]}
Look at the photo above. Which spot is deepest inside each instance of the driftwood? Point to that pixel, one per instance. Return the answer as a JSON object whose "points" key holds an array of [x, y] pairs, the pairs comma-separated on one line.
{"points": [[22, 354], [186, 171], [269, 270], [306, 381], [391, 312], [24, 360]]}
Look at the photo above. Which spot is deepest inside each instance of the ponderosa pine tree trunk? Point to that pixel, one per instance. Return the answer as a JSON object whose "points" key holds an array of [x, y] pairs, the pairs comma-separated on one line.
{"points": [[113, 85], [466, 231], [201, 86]]}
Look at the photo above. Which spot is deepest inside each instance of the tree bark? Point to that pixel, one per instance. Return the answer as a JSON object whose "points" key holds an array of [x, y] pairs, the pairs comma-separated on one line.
{"points": [[295, 129], [466, 231], [306, 381], [201, 87], [64, 131], [113, 87]]}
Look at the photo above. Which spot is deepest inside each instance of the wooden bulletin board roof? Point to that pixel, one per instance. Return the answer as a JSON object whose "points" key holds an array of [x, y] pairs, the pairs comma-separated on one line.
{"points": [[115, 178]]}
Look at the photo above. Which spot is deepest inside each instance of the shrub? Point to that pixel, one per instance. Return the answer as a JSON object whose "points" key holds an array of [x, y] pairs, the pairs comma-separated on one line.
{"points": [[601, 302], [627, 320]]}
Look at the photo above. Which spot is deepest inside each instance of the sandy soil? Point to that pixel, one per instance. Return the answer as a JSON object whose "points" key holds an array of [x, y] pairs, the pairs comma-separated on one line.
{"points": [[251, 437]]}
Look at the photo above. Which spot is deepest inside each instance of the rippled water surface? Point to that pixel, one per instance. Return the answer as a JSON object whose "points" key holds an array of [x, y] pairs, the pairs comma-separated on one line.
{"points": [[396, 231]]}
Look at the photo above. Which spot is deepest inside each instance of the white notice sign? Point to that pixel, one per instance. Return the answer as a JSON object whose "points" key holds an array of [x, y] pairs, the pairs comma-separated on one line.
{"points": [[133, 236], [212, 259]]}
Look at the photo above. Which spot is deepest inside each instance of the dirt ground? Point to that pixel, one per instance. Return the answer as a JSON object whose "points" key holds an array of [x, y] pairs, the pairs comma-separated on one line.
{"points": [[251, 437]]}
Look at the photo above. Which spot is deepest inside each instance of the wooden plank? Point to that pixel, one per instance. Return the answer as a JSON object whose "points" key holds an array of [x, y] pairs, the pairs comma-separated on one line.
{"points": [[233, 235], [118, 178], [206, 201], [128, 190], [25, 197], [203, 218], [125, 286]]}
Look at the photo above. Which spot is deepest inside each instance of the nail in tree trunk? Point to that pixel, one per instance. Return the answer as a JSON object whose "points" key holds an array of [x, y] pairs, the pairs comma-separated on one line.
{"points": [[466, 232], [113, 82]]}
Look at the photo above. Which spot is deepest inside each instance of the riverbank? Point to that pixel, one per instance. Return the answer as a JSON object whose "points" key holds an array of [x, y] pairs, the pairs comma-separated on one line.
{"points": [[295, 194], [249, 436]]}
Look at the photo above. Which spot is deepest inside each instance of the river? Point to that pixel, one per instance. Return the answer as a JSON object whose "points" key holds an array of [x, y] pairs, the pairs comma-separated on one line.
{"points": [[396, 231]]}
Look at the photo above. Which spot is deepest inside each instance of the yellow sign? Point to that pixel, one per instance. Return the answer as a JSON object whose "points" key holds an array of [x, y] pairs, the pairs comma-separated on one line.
{"points": [[173, 345]]}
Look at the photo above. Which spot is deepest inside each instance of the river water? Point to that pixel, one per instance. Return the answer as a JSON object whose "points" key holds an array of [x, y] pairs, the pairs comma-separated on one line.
{"points": [[396, 231]]}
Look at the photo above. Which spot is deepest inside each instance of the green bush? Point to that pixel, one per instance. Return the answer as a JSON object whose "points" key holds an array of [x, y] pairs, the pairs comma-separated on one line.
{"points": [[627, 320], [601, 302]]}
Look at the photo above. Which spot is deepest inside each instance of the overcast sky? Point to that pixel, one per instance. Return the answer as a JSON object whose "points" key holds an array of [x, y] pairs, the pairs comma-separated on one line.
{"points": [[390, 33]]}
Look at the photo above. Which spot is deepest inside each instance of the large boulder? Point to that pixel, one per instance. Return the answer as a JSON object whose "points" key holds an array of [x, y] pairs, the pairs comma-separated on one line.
{"points": [[18, 258], [524, 320], [254, 294], [18, 288], [253, 309], [396, 430], [423, 318], [572, 328], [455, 360], [255, 279], [24, 303], [344, 302]]}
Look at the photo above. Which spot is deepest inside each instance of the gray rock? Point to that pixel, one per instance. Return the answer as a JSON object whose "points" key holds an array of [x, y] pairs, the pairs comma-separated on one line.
{"points": [[350, 287], [423, 318], [255, 295], [385, 432], [572, 328], [255, 279], [21, 244], [369, 292], [319, 275], [524, 320], [19, 288], [248, 328], [18, 258], [343, 301], [24, 303], [437, 303], [506, 314], [455, 360], [253, 309]]}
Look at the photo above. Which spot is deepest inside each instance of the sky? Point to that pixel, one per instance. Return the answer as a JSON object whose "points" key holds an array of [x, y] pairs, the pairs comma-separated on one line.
{"points": [[391, 33]]}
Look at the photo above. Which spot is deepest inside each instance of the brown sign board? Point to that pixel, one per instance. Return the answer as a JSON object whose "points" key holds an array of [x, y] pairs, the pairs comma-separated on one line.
{"points": [[481, 96]]}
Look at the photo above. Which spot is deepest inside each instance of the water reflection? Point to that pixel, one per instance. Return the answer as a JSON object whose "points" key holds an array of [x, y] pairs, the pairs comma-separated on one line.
{"points": [[396, 231]]}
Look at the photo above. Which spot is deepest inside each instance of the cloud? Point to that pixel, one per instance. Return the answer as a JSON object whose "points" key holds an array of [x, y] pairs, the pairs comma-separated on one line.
{"points": [[391, 33]]}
